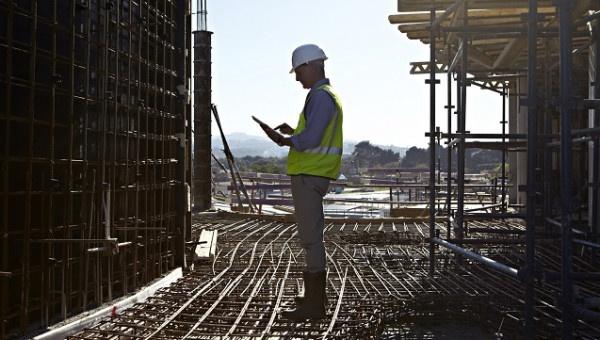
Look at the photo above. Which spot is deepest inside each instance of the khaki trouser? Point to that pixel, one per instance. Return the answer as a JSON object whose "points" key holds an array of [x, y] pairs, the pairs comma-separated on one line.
{"points": [[308, 192]]}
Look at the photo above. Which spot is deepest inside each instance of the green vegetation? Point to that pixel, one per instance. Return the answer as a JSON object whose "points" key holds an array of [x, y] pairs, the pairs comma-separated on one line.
{"points": [[370, 155], [273, 165], [366, 155], [476, 160]]}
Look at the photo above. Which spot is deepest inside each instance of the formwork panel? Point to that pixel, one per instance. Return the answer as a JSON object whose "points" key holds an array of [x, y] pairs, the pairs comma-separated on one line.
{"points": [[90, 181]]}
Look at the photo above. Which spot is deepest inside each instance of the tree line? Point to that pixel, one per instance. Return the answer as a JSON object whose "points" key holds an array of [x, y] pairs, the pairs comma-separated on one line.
{"points": [[367, 155]]}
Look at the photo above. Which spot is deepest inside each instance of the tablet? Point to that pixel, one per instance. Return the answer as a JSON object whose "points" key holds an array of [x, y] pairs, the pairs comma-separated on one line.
{"points": [[260, 122]]}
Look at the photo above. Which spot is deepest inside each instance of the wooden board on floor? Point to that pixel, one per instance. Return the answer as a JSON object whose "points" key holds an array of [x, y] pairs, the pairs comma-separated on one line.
{"points": [[207, 249]]}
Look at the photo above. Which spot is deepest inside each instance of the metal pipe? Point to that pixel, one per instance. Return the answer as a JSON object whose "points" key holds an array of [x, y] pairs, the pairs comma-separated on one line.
{"points": [[113, 247], [484, 135], [547, 156], [504, 122], [432, 193], [493, 216], [462, 116], [455, 141], [595, 157], [438, 146], [588, 244], [201, 15], [478, 258], [456, 58], [484, 207], [449, 108]]}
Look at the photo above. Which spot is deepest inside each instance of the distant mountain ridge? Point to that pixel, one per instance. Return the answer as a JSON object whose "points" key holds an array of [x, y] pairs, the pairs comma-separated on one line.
{"points": [[243, 144]]}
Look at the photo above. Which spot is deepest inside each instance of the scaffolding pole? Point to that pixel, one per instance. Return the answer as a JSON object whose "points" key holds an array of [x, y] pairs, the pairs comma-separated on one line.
{"points": [[531, 168], [432, 81], [566, 103]]}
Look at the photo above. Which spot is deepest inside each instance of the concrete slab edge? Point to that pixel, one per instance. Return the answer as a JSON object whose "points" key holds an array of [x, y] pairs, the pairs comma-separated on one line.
{"points": [[89, 318]]}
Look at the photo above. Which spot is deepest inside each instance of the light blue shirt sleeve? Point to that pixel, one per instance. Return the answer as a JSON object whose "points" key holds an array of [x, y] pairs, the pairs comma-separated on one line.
{"points": [[318, 111]]}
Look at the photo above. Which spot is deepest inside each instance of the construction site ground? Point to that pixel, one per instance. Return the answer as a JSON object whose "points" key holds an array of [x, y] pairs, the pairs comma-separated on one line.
{"points": [[378, 286]]}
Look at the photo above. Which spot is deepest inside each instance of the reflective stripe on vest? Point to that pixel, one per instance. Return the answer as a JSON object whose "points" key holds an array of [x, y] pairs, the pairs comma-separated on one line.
{"points": [[325, 150]]}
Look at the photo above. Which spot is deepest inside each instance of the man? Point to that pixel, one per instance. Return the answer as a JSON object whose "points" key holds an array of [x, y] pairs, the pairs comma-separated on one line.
{"points": [[314, 160]]}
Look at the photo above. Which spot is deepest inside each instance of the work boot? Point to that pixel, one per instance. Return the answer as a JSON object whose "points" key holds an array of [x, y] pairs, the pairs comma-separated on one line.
{"points": [[299, 299], [313, 306]]}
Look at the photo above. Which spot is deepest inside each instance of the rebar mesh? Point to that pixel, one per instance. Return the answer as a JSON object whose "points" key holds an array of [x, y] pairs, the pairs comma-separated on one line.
{"points": [[378, 286], [90, 180]]}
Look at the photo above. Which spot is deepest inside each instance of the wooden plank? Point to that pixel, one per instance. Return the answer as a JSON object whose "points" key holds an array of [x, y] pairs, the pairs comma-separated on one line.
{"points": [[416, 17], [510, 52], [207, 249], [484, 22], [421, 6]]}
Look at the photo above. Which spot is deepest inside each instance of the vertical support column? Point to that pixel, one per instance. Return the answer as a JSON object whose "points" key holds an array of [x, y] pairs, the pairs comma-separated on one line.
{"points": [[566, 107], [547, 175], [521, 157], [189, 122], [504, 149], [531, 168], [513, 127], [449, 108], [201, 184], [182, 103], [461, 122], [432, 82], [438, 147], [594, 122], [68, 192], [5, 244]]}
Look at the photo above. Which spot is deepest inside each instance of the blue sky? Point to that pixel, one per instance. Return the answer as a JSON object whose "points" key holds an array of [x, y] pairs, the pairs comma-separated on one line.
{"points": [[368, 66]]}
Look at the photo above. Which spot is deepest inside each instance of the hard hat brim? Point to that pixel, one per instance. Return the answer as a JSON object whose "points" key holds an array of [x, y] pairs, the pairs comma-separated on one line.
{"points": [[308, 62]]}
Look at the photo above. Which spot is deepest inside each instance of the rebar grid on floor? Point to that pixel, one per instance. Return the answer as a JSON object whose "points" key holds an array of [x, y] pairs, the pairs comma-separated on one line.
{"points": [[376, 276]]}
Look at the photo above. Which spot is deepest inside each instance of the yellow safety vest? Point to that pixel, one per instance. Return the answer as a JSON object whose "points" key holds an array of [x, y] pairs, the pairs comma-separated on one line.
{"points": [[326, 159]]}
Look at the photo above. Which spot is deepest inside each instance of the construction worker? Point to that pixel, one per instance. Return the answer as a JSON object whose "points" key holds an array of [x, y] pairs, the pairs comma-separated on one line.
{"points": [[314, 160]]}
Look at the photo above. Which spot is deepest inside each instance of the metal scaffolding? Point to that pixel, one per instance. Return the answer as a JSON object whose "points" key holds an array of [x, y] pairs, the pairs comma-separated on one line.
{"points": [[94, 161], [493, 45]]}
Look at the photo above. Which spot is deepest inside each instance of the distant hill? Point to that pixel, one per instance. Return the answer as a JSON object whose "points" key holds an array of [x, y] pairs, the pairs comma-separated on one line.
{"points": [[243, 145]]}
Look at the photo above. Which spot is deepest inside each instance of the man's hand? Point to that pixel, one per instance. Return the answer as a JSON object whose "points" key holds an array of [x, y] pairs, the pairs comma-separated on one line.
{"points": [[286, 129], [275, 136]]}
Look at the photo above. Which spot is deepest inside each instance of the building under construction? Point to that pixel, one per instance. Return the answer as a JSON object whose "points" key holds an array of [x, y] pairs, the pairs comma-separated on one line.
{"points": [[105, 221]]}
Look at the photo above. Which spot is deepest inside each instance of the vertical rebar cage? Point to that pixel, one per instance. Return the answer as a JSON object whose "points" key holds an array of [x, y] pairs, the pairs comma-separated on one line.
{"points": [[202, 184], [91, 122]]}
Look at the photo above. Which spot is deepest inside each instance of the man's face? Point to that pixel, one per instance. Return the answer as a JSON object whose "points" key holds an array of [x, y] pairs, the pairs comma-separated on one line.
{"points": [[303, 75]]}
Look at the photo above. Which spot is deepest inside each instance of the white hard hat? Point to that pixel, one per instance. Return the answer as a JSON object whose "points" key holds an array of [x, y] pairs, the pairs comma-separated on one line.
{"points": [[305, 54]]}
